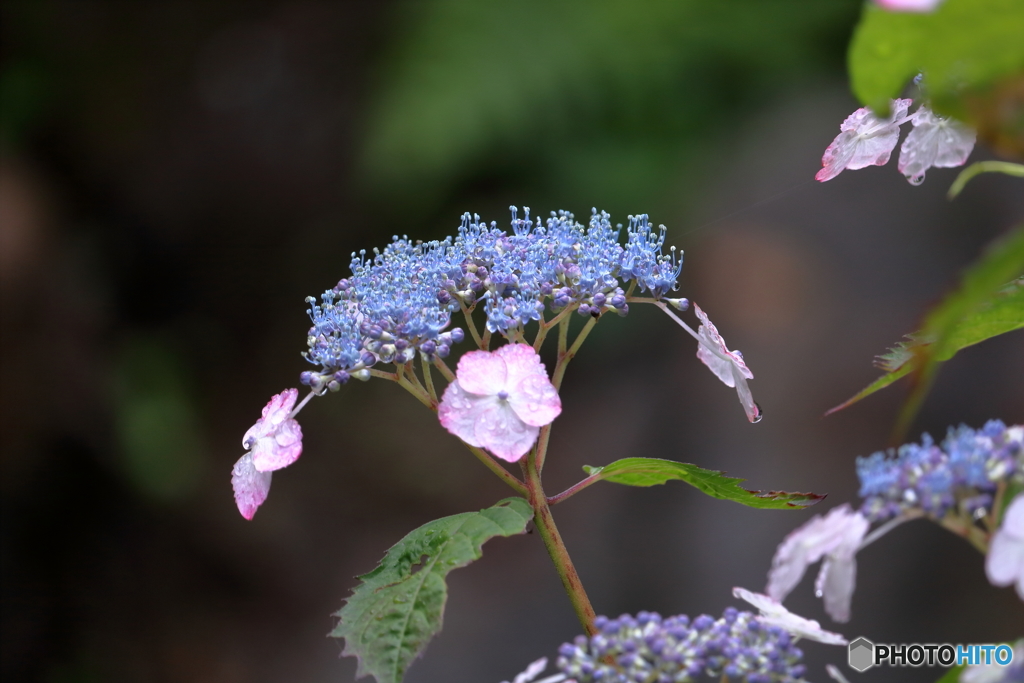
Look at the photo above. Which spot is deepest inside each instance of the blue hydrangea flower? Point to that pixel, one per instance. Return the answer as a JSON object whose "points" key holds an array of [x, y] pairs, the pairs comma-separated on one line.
{"points": [[400, 301], [964, 471], [739, 646]]}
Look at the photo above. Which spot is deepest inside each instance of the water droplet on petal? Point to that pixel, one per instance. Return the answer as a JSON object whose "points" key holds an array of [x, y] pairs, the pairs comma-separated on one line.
{"points": [[760, 414]]}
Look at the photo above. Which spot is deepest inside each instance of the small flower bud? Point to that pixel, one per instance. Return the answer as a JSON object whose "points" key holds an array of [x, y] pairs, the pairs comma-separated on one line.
{"points": [[678, 304]]}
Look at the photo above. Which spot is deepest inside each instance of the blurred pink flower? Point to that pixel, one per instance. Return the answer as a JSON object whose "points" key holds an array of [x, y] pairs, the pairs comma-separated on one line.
{"points": [[836, 538], [864, 140], [908, 5], [935, 141], [534, 670], [275, 441], [1004, 564], [499, 400], [727, 365], [774, 613]]}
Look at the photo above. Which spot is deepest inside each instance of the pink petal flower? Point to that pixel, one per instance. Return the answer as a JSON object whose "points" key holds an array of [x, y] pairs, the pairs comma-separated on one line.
{"points": [[935, 141], [836, 538], [864, 140], [275, 439], [499, 400], [1004, 564], [250, 485], [727, 365], [908, 5], [774, 614]]}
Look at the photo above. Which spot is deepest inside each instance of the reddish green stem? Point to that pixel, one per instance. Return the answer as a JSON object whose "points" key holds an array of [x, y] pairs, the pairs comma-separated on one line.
{"points": [[556, 547]]}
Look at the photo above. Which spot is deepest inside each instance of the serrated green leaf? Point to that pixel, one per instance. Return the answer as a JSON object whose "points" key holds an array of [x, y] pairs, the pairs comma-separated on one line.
{"points": [[399, 606], [984, 306], [653, 471], [964, 45]]}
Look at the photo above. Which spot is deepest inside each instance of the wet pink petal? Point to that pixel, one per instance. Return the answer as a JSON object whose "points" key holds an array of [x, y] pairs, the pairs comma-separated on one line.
{"points": [[482, 372], [513, 397], [535, 400], [934, 141], [835, 537], [836, 582], [250, 485], [774, 613], [864, 140], [275, 440], [500, 431], [1004, 564], [727, 365]]}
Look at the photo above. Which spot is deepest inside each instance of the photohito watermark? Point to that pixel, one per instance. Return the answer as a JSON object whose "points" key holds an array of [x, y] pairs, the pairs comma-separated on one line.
{"points": [[863, 654]]}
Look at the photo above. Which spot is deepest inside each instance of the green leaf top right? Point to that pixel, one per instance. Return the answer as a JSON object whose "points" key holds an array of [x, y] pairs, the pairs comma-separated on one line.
{"points": [[970, 52]]}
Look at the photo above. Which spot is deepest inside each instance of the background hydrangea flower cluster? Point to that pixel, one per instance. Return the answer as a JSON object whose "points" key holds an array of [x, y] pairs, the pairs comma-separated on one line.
{"points": [[400, 300], [964, 471], [739, 646]]}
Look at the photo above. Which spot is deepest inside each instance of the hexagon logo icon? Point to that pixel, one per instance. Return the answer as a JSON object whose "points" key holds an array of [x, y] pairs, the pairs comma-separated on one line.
{"points": [[861, 655]]}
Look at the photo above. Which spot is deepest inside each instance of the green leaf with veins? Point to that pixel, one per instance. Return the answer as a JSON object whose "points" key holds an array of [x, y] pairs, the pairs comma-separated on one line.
{"points": [[399, 606], [984, 306], [653, 471]]}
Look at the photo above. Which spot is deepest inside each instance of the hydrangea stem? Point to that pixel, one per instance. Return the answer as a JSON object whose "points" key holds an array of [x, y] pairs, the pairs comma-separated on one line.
{"points": [[556, 547], [966, 529]]}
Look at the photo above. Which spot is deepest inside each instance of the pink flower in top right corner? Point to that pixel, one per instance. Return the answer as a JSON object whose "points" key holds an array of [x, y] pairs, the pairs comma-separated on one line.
{"points": [[935, 141], [909, 5], [864, 140]]}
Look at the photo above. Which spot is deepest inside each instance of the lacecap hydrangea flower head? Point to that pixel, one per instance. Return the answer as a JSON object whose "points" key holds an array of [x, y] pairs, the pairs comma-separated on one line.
{"points": [[398, 305]]}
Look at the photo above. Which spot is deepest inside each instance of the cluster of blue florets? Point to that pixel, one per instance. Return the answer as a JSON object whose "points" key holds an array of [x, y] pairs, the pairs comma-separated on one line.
{"points": [[649, 649], [399, 301], [963, 472]]}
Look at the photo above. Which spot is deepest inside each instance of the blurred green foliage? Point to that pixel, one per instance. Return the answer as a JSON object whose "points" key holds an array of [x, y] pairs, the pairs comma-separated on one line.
{"points": [[23, 95], [586, 100], [157, 426]]}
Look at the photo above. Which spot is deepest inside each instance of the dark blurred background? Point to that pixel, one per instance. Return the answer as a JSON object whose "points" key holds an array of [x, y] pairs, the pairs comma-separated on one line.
{"points": [[176, 177]]}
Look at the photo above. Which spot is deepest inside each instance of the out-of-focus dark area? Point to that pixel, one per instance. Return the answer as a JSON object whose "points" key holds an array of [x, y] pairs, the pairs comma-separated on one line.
{"points": [[175, 178]]}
